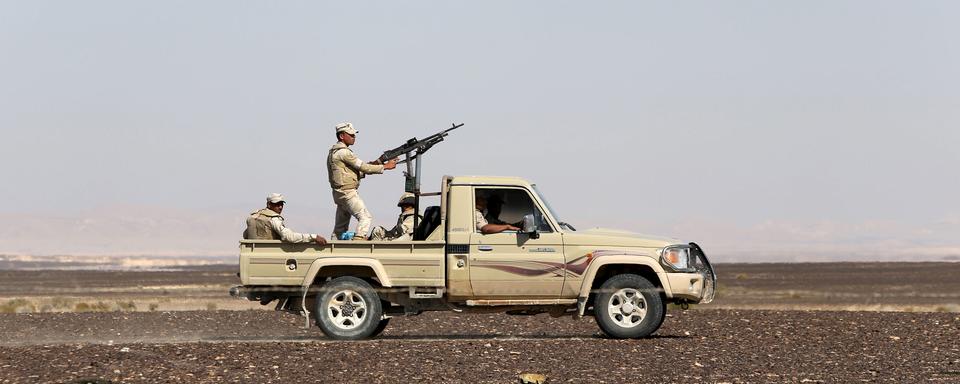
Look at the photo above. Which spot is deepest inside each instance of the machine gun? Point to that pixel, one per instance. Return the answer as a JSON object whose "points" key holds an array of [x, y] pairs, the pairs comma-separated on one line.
{"points": [[413, 150], [420, 146]]}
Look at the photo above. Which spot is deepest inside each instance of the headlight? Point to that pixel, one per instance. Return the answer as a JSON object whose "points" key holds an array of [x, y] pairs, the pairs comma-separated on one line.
{"points": [[676, 256]]}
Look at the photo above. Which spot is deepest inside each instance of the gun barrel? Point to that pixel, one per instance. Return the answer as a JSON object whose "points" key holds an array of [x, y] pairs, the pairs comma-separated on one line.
{"points": [[414, 144]]}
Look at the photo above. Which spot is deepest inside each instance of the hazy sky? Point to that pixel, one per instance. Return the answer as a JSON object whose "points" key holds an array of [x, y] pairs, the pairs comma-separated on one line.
{"points": [[755, 127]]}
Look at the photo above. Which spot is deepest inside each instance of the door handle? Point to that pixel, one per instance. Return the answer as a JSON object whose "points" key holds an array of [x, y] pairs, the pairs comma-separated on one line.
{"points": [[484, 248]]}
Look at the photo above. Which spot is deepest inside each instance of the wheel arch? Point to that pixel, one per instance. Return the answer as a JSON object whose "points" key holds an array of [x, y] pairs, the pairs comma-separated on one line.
{"points": [[609, 266], [363, 268]]}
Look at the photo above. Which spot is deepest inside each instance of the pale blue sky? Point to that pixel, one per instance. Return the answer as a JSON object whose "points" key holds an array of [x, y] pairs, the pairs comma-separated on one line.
{"points": [[680, 118]]}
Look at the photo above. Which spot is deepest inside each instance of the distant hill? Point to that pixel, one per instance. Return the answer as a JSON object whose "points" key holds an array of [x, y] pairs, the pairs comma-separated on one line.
{"points": [[145, 231]]}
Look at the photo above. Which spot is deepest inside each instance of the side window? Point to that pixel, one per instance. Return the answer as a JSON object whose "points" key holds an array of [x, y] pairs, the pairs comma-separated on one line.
{"points": [[509, 205]]}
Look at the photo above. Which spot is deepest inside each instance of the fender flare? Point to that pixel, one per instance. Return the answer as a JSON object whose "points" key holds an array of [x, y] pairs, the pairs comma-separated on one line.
{"points": [[319, 264], [621, 259]]}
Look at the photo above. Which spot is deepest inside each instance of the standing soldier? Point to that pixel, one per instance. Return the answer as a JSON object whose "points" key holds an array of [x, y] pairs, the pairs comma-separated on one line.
{"points": [[345, 171]]}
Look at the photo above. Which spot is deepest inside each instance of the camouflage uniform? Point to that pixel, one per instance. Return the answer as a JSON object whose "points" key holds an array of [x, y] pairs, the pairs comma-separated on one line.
{"points": [[268, 225], [478, 219], [345, 170], [402, 231]]}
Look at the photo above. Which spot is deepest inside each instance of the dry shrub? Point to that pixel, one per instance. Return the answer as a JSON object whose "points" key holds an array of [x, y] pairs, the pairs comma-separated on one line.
{"points": [[211, 306], [61, 303], [126, 306], [17, 306], [96, 307], [154, 306]]}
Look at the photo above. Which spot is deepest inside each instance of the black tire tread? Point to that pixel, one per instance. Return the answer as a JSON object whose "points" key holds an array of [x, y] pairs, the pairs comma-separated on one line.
{"points": [[656, 307], [374, 309]]}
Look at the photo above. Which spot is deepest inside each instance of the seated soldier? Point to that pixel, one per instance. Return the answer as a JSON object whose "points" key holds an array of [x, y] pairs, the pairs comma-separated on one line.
{"points": [[494, 208], [267, 224], [404, 228], [481, 222]]}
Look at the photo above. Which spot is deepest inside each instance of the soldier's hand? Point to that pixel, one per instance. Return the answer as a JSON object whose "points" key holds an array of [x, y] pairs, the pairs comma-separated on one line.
{"points": [[320, 240], [390, 164]]}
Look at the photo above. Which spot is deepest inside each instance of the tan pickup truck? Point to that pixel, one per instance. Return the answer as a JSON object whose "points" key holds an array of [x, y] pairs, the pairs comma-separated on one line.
{"points": [[352, 288]]}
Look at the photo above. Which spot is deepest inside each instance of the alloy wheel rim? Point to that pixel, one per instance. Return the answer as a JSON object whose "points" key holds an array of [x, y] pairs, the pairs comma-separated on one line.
{"points": [[347, 309], [627, 307]]}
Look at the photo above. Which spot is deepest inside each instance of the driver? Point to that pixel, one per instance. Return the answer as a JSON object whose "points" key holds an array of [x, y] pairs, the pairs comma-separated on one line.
{"points": [[485, 227]]}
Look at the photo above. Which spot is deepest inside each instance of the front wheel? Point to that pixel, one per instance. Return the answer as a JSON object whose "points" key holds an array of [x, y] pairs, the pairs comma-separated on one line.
{"points": [[628, 307], [348, 308]]}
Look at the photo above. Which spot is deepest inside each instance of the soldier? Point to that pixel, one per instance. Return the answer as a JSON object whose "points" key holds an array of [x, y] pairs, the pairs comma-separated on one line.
{"points": [[345, 171], [481, 223], [493, 207], [404, 228], [267, 224]]}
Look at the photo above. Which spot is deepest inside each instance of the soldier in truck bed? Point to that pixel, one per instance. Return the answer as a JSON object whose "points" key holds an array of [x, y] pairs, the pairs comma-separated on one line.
{"points": [[267, 224], [404, 228], [345, 170]]}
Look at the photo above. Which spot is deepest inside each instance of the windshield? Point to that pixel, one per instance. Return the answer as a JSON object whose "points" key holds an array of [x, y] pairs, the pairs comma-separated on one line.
{"points": [[549, 208]]}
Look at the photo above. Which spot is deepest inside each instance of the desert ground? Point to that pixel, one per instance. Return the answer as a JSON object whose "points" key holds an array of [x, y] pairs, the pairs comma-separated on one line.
{"points": [[771, 323]]}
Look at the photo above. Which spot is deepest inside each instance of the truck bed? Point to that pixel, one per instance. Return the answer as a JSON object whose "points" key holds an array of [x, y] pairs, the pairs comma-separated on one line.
{"points": [[406, 263]]}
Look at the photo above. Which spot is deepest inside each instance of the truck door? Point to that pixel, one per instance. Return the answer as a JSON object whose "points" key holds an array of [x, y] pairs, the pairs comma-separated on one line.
{"points": [[510, 264]]}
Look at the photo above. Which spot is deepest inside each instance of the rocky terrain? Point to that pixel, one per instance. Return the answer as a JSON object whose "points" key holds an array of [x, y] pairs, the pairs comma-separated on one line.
{"points": [[693, 346], [771, 323]]}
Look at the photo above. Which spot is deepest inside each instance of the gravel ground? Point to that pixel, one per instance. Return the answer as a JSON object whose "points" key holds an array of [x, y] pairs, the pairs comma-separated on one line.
{"points": [[698, 345]]}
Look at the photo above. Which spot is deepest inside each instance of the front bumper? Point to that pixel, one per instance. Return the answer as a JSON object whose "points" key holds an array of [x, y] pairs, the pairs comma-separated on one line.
{"points": [[699, 283], [705, 269]]}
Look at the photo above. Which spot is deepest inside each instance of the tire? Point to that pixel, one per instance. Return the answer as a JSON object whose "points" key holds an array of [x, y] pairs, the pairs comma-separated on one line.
{"points": [[629, 307], [348, 308]]}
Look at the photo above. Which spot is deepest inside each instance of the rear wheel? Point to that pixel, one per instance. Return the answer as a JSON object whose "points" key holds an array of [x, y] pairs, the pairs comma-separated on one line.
{"points": [[349, 308], [629, 306]]}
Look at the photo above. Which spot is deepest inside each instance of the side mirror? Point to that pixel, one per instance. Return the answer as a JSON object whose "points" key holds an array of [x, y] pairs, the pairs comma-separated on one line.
{"points": [[530, 226]]}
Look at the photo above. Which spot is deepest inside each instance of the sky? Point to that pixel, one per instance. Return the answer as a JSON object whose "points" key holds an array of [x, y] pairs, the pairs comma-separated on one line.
{"points": [[765, 131]]}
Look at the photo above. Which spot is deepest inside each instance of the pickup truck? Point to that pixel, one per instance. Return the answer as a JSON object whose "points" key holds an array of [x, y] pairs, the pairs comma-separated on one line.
{"points": [[353, 288]]}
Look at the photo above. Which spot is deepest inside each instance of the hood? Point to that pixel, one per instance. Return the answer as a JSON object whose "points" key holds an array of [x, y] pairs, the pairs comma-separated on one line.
{"points": [[616, 238]]}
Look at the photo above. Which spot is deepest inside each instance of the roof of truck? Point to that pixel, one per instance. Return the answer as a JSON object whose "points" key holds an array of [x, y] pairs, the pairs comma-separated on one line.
{"points": [[489, 180]]}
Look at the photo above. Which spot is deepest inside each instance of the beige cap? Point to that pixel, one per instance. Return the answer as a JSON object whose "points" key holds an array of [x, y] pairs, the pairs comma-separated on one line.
{"points": [[275, 198], [346, 127], [407, 198]]}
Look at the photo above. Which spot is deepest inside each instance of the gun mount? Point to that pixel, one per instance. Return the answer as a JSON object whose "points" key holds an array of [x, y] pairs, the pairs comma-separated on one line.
{"points": [[412, 151]]}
